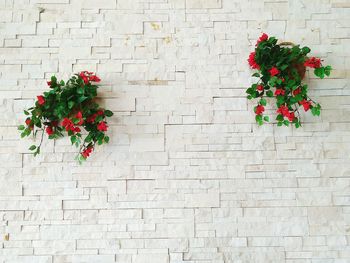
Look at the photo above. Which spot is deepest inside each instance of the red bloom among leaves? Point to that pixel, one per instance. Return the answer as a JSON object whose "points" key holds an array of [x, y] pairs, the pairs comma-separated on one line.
{"points": [[28, 121], [84, 77], [68, 124], [259, 109], [280, 92], [313, 63], [91, 119], [41, 100], [260, 87], [94, 78], [252, 62], [48, 83], [284, 111], [102, 126], [306, 104], [49, 130], [274, 71], [263, 37], [296, 91], [86, 153], [79, 116]]}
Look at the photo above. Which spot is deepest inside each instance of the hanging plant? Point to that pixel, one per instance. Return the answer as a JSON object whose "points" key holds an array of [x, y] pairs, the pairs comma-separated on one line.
{"points": [[280, 71], [69, 109]]}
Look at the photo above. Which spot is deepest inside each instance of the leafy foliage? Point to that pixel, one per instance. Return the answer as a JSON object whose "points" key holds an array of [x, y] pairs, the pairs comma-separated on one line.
{"points": [[280, 73], [66, 109]]}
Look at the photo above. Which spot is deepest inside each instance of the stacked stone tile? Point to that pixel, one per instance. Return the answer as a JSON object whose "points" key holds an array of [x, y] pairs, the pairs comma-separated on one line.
{"points": [[188, 176]]}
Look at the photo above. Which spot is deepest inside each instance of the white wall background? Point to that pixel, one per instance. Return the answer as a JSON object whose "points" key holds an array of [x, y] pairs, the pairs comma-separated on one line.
{"points": [[188, 175]]}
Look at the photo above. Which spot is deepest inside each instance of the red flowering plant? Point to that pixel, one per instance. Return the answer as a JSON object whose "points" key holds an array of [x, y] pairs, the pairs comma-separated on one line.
{"points": [[280, 71], [69, 109]]}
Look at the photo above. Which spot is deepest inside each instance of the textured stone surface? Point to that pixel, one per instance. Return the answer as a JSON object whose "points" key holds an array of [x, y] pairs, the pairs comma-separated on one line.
{"points": [[188, 176]]}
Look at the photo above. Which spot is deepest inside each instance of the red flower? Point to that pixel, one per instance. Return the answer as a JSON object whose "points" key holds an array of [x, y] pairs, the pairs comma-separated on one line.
{"points": [[286, 113], [306, 104], [296, 91], [259, 109], [76, 129], [94, 78], [86, 153], [280, 92], [102, 126], [68, 124], [263, 37], [313, 63], [49, 130], [54, 123], [28, 121], [252, 62], [100, 112], [84, 77], [283, 110], [91, 118], [48, 83], [260, 87], [291, 116], [274, 71], [41, 100], [79, 116]]}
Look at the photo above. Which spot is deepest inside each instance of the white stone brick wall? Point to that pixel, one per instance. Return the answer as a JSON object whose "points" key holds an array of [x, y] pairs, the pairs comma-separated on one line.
{"points": [[188, 176]]}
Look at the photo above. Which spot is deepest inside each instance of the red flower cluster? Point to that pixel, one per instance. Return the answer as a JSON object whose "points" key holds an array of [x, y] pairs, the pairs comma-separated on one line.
{"points": [[102, 126], [88, 76], [284, 111], [92, 118], [296, 91], [49, 130], [274, 71], [79, 116], [41, 100], [306, 104], [259, 109], [263, 37], [260, 87], [313, 63], [252, 62], [280, 92], [69, 125], [86, 153]]}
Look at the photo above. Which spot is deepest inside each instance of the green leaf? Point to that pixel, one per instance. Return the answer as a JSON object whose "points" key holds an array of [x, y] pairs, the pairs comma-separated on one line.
{"points": [[286, 123], [106, 139], [37, 151], [266, 118], [269, 93], [306, 50], [279, 117], [327, 70], [26, 112], [108, 113], [263, 102], [259, 119], [80, 90], [71, 104], [319, 72], [256, 74], [73, 139], [21, 127], [32, 148]]}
